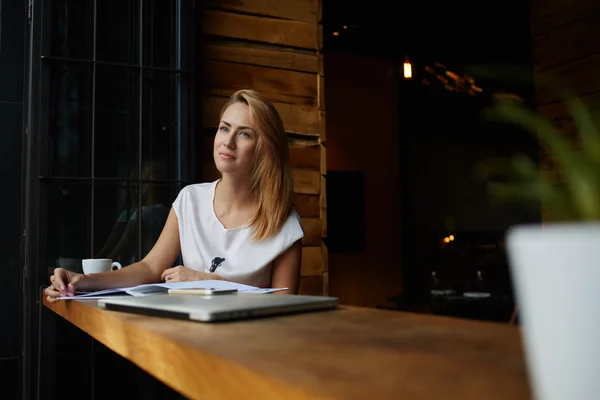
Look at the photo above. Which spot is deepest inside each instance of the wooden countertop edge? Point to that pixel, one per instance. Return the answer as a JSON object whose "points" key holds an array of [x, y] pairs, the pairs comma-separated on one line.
{"points": [[187, 370]]}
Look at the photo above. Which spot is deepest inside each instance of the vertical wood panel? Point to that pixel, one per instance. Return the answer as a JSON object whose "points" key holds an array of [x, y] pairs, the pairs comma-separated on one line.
{"points": [[273, 46], [565, 47]]}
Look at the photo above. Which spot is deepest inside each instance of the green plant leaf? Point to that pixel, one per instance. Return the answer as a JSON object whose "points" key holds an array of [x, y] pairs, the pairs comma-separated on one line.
{"points": [[586, 127], [576, 199], [515, 113]]}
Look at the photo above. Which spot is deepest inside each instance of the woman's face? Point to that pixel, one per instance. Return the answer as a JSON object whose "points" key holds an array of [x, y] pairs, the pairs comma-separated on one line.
{"points": [[235, 141]]}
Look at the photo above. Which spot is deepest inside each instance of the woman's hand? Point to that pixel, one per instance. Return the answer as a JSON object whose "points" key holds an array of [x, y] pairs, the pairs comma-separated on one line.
{"points": [[64, 283], [183, 274]]}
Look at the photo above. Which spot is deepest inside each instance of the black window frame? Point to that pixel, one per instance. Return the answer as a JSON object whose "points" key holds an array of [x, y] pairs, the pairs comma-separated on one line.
{"points": [[34, 233]]}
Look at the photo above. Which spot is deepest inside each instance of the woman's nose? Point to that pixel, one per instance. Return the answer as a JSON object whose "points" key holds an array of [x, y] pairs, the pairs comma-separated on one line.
{"points": [[229, 142]]}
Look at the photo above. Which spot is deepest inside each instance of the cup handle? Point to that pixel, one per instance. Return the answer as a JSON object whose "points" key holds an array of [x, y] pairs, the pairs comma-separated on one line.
{"points": [[115, 266]]}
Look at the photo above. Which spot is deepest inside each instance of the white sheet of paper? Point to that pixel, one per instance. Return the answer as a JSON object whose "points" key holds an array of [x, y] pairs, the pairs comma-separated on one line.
{"points": [[155, 288]]}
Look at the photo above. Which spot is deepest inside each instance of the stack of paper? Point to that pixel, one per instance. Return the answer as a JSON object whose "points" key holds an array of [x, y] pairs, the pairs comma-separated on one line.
{"points": [[155, 288]]}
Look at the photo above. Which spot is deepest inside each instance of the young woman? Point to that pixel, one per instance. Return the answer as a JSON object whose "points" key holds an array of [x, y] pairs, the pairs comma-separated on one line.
{"points": [[239, 228]]}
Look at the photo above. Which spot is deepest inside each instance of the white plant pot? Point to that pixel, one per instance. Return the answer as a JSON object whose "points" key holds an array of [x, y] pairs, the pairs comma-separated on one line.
{"points": [[556, 275]]}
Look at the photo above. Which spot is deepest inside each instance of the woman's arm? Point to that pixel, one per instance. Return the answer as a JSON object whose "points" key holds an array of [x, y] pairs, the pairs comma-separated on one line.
{"points": [[162, 256], [286, 269]]}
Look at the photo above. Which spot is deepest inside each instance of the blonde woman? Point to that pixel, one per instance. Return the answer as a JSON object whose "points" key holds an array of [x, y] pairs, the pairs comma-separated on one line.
{"points": [[239, 228]]}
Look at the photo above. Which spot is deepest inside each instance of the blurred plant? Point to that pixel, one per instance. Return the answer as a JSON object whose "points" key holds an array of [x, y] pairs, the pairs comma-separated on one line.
{"points": [[575, 197]]}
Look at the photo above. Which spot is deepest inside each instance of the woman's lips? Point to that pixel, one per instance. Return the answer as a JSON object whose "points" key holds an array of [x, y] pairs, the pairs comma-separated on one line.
{"points": [[226, 156]]}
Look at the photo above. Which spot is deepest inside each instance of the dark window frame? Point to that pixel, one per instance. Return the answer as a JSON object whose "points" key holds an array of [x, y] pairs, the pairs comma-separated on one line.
{"points": [[34, 234]]}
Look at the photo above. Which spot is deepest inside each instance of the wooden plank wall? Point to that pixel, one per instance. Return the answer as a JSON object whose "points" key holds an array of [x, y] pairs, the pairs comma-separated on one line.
{"points": [[273, 46], [565, 45]]}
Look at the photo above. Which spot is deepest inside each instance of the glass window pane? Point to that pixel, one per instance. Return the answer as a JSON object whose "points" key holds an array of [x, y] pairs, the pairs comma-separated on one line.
{"points": [[156, 204], [187, 136], [67, 215], [159, 34], [117, 31], [67, 119], [71, 29], [115, 221], [187, 16], [116, 135], [159, 125]]}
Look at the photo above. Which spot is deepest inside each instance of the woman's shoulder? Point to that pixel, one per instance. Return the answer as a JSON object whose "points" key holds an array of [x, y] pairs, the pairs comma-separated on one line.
{"points": [[193, 193], [197, 188]]}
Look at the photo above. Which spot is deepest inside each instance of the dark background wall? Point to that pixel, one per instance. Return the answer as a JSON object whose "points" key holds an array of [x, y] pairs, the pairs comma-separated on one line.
{"points": [[413, 148], [13, 23]]}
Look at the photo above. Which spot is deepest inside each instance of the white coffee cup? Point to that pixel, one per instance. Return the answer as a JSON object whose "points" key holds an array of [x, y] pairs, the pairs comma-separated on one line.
{"points": [[97, 265]]}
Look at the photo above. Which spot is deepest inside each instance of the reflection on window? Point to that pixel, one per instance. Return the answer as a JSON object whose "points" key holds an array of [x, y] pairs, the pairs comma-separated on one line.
{"points": [[113, 125], [159, 123], [69, 119], [115, 205], [118, 36], [156, 205], [160, 34], [68, 224], [116, 133], [71, 32]]}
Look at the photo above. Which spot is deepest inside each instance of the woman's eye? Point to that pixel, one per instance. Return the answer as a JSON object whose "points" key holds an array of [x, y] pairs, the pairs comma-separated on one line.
{"points": [[244, 134], [223, 129]]}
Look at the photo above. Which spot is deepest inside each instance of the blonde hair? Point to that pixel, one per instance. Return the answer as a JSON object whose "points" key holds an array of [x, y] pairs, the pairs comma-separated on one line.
{"points": [[271, 175]]}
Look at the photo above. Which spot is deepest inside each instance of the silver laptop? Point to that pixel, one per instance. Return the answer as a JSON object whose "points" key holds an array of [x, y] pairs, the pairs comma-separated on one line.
{"points": [[224, 307]]}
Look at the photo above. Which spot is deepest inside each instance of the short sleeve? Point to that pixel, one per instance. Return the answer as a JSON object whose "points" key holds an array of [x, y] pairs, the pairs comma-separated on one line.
{"points": [[180, 201], [292, 229]]}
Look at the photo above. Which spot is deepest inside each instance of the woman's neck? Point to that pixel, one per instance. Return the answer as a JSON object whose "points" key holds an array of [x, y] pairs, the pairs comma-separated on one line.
{"points": [[234, 194]]}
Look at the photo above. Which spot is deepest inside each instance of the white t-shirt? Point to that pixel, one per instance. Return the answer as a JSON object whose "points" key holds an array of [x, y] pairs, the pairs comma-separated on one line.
{"points": [[232, 253]]}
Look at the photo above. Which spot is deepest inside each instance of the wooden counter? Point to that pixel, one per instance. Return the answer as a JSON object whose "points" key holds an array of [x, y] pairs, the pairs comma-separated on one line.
{"points": [[349, 353]]}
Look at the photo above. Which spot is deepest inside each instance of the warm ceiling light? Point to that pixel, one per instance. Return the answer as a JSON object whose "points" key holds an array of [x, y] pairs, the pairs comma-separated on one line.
{"points": [[336, 34], [407, 69], [345, 27]]}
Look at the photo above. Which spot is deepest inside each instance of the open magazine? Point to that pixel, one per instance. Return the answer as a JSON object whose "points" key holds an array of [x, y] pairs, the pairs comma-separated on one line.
{"points": [[157, 288]]}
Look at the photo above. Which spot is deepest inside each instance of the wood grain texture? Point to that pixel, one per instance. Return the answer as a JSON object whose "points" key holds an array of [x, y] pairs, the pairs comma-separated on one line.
{"points": [[299, 10], [321, 92], [323, 222], [277, 31], [306, 205], [349, 353], [312, 261], [311, 286], [262, 55], [306, 156], [325, 256], [306, 181], [567, 43], [224, 78], [582, 77], [312, 231], [565, 49], [325, 283], [323, 163], [560, 116], [548, 15], [322, 125], [297, 119]]}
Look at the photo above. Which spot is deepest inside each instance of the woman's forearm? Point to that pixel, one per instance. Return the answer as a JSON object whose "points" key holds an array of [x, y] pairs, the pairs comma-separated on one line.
{"points": [[135, 274]]}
